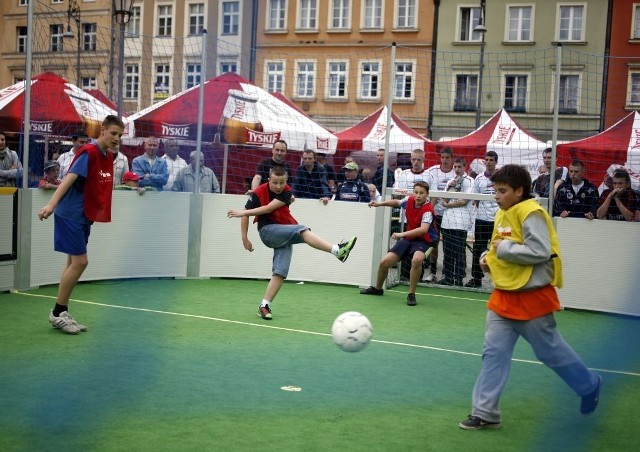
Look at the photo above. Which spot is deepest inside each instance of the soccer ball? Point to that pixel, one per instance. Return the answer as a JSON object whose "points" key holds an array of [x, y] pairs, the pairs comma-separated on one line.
{"points": [[351, 331]]}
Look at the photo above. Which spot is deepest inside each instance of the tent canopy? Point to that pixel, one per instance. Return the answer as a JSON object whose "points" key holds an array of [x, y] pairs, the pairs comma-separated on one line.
{"points": [[369, 134], [502, 134], [235, 112], [58, 108], [617, 145]]}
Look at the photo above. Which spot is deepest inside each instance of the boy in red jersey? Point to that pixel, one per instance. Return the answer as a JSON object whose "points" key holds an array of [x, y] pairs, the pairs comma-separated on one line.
{"points": [[269, 203], [417, 241], [84, 196], [525, 266]]}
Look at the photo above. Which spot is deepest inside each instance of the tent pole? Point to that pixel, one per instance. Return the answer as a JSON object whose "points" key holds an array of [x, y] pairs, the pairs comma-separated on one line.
{"points": [[554, 129], [27, 98], [225, 163], [203, 73]]}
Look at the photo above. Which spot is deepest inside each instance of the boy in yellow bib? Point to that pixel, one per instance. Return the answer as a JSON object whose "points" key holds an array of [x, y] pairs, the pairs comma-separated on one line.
{"points": [[524, 263]]}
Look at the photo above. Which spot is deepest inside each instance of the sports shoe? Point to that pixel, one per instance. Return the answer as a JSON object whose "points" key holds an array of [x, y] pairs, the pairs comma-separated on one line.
{"points": [[428, 277], [265, 312], [345, 247], [475, 423], [590, 401], [445, 282], [65, 323], [474, 283], [411, 299], [372, 291]]}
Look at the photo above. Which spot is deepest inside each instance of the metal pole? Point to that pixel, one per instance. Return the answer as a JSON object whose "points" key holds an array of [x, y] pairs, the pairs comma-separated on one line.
{"points": [[78, 55], [203, 62], [27, 98], [121, 67], [480, 73], [554, 129]]}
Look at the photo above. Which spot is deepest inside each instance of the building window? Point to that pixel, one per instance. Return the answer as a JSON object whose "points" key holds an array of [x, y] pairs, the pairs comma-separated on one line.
{"points": [[228, 66], [196, 19], [21, 46], [569, 87], [306, 79], [193, 75], [23, 2], [56, 1], [132, 28], [466, 92], [571, 23], [89, 37], [369, 80], [307, 14], [162, 81], [406, 14], [520, 19], [515, 93], [636, 22], [404, 81], [88, 83], [469, 18], [230, 18], [340, 14], [276, 15], [634, 89], [165, 18], [275, 76], [337, 82], [56, 38], [131, 81], [372, 16]]}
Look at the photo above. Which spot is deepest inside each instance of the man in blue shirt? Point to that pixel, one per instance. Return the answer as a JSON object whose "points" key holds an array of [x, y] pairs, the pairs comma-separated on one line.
{"points": [[152, 170], [311, 179]]}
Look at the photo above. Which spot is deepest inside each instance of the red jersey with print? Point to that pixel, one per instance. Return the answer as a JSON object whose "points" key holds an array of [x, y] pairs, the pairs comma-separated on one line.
{"points": [[262, 196], [98, 186], [418, 215]]}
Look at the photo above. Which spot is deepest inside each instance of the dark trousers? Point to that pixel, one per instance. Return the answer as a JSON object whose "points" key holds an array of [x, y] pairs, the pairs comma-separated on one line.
{"points": [[454, 263], [482, 235]]}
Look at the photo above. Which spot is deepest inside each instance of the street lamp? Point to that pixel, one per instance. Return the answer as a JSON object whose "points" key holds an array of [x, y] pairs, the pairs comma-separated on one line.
{"points": [[73, 12], [480, 28], [121, 10]]}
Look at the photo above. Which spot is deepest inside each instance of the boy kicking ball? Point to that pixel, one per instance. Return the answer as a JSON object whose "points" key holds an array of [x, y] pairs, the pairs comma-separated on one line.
{"points": [[524, 263], [417, 241], [269, 203]]}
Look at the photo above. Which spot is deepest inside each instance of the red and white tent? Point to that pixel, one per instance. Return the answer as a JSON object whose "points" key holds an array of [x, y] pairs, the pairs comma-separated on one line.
{"points": [[502, 134], [617, 145], [369, 134], [58, 108], [235, 112]]}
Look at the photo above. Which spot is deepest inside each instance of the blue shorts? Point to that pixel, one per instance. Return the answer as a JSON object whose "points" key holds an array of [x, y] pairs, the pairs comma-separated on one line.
{"points": [[70, 237], [281, 237], [404, 247]]}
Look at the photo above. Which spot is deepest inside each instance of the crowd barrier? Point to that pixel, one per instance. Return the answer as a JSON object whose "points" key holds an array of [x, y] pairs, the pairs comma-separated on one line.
{"points": [[185, 235]]}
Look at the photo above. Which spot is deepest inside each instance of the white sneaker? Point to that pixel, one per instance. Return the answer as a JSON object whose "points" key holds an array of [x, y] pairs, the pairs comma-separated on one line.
{"points": [[66, 323], [428, 277]]}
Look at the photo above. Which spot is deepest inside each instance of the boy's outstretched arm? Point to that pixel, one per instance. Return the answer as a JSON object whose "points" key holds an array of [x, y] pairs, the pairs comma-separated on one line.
{"points": [[244, 229], [387, 203]]}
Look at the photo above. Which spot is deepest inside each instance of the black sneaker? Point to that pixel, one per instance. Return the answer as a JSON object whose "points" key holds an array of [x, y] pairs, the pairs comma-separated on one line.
{"points": [[474, 283], [445, 282], [371, 291], [411, 299], [475, 423], [589, 402], [265, 312], [345, 247]]}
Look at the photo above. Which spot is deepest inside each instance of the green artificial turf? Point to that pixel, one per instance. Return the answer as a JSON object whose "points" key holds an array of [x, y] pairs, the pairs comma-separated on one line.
{"points": [[188, 365]]}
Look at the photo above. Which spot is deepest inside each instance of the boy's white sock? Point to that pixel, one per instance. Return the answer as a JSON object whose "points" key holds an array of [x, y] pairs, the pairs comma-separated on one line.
{"points": [[264, 302], [334, 250]]}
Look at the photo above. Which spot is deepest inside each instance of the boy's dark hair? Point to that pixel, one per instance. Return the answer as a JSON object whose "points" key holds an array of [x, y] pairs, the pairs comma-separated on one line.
{"points": [[493, 154], [422, 184], [577, 162], [547, 151], [460, 160], [277, 171], [447, 151], [622, 174], [515, 176], [112, 120]]}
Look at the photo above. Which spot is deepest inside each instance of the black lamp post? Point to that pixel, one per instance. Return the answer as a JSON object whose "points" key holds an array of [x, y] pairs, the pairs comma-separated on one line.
{"points": [[121, 10], [480, 28], [73, 12]]}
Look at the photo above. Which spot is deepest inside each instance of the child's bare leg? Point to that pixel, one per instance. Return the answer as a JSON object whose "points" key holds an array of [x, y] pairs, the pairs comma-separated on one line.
{"points": [[315, 241], [273, 287], [70, 276], [383, 269], [416, 270]]}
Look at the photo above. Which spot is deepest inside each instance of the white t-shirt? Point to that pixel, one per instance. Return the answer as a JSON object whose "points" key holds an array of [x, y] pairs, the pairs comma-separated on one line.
{"points": [[437, 180], [407, 178], [486, 209], [459, 217], [120, 166], [174, 167], [65, 162]]}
